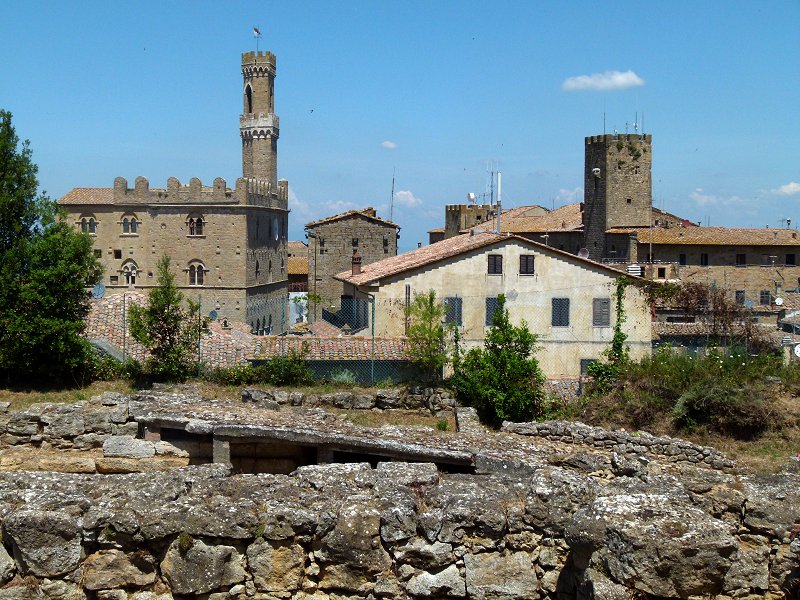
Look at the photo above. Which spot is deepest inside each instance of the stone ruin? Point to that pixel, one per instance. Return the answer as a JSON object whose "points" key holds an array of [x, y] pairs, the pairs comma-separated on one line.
{"points": [[281, 495]]}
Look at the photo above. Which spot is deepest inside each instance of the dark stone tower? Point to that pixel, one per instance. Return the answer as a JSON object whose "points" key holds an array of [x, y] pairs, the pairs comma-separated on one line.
{"points": [[617, 187], [259, 125]]}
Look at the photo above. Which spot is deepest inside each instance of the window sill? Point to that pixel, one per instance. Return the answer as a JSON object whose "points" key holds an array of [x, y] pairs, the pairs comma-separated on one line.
{"points": [[495, 274], [196, 236], [128, 235], [527, 274]]}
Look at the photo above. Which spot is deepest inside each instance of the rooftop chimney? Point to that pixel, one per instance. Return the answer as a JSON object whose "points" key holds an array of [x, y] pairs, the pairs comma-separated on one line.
{"points": [[419, 244], [356, 263]]}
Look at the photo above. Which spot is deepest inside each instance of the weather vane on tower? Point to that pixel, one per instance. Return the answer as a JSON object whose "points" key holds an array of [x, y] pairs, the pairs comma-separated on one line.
{"points": [[257, 34]]}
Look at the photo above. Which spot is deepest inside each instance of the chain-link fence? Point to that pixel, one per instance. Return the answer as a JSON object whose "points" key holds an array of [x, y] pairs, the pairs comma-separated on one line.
{"points": [[362, 340]]}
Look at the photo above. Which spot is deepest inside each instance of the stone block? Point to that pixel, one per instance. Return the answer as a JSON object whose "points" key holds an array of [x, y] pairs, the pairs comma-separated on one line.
{"points": [[126, 446]]}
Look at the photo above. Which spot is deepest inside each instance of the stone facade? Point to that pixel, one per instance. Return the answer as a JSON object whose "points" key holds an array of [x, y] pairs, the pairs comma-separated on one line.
{"points": [[617, 187], [331, 245], [460, 217], [227, 246]]}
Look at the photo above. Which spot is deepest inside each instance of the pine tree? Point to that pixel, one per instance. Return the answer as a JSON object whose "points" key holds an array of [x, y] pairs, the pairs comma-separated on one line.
{"points": [[167, 328]]}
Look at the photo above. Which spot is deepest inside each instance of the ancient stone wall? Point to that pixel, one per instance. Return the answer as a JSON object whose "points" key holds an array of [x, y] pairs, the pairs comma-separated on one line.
{"points": [[549, 513]]}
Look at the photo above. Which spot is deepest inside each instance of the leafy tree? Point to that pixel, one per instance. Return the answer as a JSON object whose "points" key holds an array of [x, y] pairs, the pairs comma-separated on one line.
{"points": [[45, 267], [167, 328], [426, 335], [502, 380]]}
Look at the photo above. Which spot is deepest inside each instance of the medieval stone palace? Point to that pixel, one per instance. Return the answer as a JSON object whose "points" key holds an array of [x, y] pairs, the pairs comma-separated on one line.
{"points": [[228, 246]]}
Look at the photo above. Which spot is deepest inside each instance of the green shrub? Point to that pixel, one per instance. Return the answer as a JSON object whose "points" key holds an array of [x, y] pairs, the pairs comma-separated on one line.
{"points": [[442, 425], [291, 369], [728, 394], [502, 381], [237, 375]]}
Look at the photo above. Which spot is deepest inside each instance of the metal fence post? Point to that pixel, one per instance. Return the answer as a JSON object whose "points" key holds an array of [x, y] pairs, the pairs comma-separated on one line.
{"points": [[283, 327], [372, 323]]}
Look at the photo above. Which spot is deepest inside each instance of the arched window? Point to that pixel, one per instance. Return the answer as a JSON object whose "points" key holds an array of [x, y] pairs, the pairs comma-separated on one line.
{"points": [[196, 274], [248, 93], [196, 225], [129, 272], [130, 225], [88, 224]]}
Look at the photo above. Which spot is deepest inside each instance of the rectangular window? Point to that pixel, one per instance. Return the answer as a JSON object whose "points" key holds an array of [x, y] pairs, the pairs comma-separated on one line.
{"points": [[790, 260], [355, 242], [662, 273], [682, 259], [453, 311], [601, 312], [526, 264], [585, 362], [495, 264], [765, 260], [741, 259], [491, 307], [765, 298], [704, 259], [113, 279], [739, 296], [560, 312], [118, 254]]}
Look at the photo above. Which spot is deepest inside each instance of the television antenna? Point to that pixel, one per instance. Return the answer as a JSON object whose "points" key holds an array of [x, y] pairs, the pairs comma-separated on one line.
{"points": [[391, 200]]}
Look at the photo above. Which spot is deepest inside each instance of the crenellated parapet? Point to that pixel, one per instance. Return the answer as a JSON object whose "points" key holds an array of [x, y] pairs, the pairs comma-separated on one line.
{"points": [[193, 193], [608, 138], [258, 64], [261, 192]]}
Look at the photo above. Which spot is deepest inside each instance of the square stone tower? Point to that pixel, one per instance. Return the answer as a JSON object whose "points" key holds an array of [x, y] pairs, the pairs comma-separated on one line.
{"points": [[617, 186]]}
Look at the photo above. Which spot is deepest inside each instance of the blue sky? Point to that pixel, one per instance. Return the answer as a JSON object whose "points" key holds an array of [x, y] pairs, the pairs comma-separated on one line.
{"points": [[431, 91]]}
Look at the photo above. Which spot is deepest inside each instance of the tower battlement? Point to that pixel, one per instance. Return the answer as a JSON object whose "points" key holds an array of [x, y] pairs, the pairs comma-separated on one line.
{"points": [[608, 138], [262, 56]]}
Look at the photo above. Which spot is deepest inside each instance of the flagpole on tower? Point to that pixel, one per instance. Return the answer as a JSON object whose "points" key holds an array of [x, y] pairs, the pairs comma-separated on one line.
{"points": [[257, 33]]}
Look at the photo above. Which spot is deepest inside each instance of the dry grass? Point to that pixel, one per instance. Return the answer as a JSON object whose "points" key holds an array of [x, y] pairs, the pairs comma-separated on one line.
{"points": [[400, 418], [23, 397]]}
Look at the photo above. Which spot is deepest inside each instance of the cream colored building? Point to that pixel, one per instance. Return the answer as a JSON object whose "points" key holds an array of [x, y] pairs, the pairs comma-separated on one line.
{"points": [[568, 301]]}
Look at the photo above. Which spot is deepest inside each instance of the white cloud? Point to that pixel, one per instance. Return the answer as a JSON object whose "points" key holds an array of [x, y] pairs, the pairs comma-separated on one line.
{"points": [[389, 145], [703, 199], [790, 189], [300, 209], [406, 198], [566, 196], [602, 82]]}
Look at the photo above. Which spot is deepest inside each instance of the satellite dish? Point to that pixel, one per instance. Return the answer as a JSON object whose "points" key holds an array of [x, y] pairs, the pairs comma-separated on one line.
{"points": [[213, 315], [583, 253], [778, 301], [748, 304], [98, 291], [797, 350]]}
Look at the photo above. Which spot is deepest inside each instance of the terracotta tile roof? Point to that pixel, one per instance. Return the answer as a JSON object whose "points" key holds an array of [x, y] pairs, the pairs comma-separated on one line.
{"points": [[520, 220], [324, 348], [222, 347], [295, 247], [713, 236], [661, 328], [324, 329], [460, 244], [662, 214], [298, 265], [89, 196], [365, 213], [420, 257]]}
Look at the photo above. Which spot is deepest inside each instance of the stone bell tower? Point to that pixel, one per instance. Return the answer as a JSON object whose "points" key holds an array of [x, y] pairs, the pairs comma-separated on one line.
{"points": [[259, 125]]}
